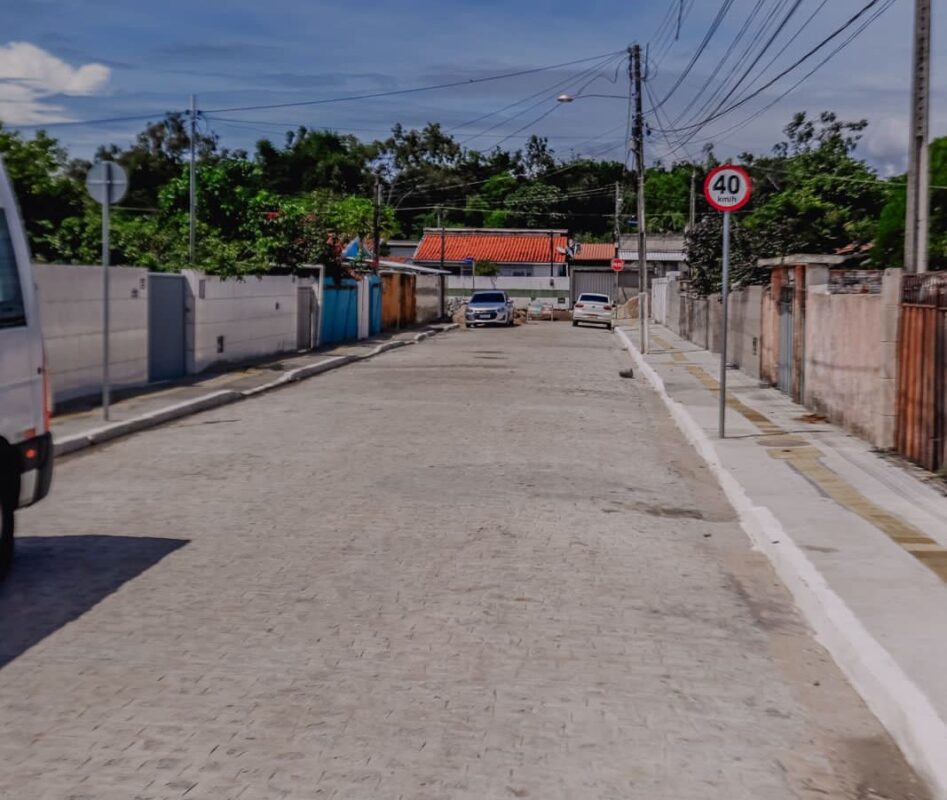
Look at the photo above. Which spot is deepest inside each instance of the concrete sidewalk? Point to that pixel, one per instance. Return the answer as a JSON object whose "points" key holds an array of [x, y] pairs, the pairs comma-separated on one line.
{"points": [[77, 430], [860, 540]]}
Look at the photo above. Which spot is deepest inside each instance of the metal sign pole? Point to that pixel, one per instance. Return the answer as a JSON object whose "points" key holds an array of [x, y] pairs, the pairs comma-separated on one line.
{"points": [[105, 301], [725, 298], [106, 183]]}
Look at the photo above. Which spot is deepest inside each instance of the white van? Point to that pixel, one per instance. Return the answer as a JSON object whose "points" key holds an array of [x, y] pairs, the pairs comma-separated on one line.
{"points": [[26, 449]]}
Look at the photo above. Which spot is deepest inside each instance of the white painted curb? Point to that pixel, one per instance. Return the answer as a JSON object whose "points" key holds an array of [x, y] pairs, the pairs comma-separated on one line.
{"points": [[903, 709], [71, 444], [116, 429]]}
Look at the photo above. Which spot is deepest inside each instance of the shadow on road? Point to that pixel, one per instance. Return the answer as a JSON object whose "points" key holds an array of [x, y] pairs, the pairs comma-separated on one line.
{"points": [[56, 579]]}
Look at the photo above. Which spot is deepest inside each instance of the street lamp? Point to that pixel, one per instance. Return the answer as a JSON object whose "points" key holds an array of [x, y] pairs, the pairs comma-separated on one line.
{"points": [[568, 98]]}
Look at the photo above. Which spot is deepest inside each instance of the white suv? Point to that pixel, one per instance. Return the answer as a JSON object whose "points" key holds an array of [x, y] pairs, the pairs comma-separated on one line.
{"points": [[26, 449]]}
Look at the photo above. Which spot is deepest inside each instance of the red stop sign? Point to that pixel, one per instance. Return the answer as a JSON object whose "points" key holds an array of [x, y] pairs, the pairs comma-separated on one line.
{"points": [[617, 265]]}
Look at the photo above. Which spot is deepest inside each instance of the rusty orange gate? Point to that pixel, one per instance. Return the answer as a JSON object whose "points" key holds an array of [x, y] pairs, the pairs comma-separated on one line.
{"points": [[398, 300], [921, 432]]}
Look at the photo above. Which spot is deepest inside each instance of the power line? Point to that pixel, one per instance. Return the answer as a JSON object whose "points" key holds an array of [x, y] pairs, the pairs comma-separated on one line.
{"points": [[323, 101], [836, 33], [718, 19], [779, 29], [544, 99], [413, 90], [544, 92], [712, 77], [684, 140]]}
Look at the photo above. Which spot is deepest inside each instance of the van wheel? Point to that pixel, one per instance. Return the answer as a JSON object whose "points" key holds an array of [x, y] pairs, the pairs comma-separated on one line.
{"points": [[6, 531]]}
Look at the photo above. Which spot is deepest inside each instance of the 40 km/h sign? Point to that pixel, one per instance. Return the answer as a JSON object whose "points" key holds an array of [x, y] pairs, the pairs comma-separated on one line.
{"points": [[728, 188]]}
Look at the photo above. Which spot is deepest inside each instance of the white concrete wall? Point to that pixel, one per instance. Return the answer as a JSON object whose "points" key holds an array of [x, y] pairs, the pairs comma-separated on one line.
{"points": [[255, 316], [521, 290], [71, 307], [659, 300], [427, 294]]}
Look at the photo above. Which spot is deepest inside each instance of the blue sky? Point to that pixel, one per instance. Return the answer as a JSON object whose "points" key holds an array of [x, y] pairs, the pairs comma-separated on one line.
{"points": [[63, 60]]}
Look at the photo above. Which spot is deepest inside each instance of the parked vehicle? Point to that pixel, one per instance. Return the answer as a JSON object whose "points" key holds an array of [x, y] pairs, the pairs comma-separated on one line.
{"points": [[489, 308], [593, 308], [26, 450]]}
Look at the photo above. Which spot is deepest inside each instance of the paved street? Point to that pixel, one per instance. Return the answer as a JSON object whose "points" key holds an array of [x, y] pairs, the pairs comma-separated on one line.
{"points": [[481, 567]]}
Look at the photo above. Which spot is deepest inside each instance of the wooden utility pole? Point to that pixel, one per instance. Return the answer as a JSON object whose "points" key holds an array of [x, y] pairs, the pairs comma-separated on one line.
{"points": [[918, 189], [638, 138]]}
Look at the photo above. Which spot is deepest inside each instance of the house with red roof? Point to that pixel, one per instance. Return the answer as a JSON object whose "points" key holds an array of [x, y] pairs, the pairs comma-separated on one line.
{"points": [[594, 254], [526, 253]]}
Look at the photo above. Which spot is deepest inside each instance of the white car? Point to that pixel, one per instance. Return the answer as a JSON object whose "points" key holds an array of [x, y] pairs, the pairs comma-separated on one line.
{"points": [[489, 308], [26, 448], [593, 308]]}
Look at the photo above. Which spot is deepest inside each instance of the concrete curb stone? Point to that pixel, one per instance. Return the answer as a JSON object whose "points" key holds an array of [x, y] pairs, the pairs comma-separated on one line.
{"points": [[151, 419], [900, 705]]}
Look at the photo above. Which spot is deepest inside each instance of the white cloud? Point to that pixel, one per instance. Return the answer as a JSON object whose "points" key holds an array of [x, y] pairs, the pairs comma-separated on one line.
{"points": [[29, 74], [886, 141]]}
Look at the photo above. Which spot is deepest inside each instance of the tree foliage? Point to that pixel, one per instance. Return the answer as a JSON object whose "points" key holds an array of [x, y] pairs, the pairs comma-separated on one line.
{"points": [[810, 195], [299, 200], [888, 249]]}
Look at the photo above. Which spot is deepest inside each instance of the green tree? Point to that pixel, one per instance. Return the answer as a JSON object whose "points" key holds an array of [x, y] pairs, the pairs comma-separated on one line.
{"points": [[703, 253], [313, 160], [156, 157], [486, 267], [667, 193], [888, 248], [47, 196], [814, 195], [536, 205]]}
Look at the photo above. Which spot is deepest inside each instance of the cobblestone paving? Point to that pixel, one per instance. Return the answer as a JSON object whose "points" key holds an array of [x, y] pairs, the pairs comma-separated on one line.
{"points": [[482, 567]]}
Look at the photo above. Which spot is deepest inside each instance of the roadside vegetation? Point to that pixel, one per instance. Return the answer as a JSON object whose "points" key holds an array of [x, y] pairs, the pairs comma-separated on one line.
{"points": [[300, 200]]}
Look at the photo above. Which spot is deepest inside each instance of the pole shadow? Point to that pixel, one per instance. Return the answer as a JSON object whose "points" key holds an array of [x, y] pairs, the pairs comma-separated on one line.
{"points": [[56, 579]]}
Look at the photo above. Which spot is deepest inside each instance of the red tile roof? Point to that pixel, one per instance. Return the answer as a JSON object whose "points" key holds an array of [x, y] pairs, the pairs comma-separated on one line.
{"points": [[502, 246], [595, 252]]}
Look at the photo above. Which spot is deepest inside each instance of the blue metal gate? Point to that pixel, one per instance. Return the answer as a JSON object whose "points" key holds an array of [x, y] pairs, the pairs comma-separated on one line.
{"points": [[339, 311], [166, 327]]}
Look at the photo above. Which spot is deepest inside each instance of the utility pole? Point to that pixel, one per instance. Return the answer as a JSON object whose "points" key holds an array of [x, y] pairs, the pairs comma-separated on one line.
{"points": [[192, 204], [617, 216], [617, 232], [376, 225], [918, 191], [440, 224], [638, 137], [692, 216]]}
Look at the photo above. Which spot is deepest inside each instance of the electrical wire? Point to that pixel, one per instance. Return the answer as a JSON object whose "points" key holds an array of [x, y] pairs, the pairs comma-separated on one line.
{"points": [[746, 73], [714, 26], [712, 77], [544, 92], [812, 51], [413, 90], [688, 138], [322, 101]]}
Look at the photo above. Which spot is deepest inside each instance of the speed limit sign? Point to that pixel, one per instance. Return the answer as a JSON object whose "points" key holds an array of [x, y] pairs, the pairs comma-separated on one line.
{"points": [[728, 188]]}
